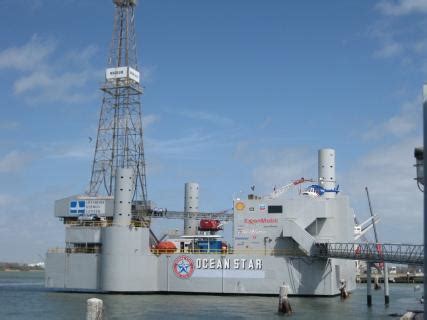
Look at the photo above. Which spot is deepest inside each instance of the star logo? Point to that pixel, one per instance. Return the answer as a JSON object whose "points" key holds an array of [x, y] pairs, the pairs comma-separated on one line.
{"points": [[183, 267]]}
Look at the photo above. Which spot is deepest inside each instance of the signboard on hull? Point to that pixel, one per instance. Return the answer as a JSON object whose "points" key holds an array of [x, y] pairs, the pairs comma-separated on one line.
{"points": [[185, 267], [261, 220], [87, 207]]}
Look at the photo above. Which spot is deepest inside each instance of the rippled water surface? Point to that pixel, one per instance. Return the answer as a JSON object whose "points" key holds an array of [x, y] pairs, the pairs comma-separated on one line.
{"points": [[22, 296]]}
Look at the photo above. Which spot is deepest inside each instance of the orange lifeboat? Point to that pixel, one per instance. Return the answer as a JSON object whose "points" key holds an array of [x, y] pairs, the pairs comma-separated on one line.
{"points": [[210, 225], [165, 247]]}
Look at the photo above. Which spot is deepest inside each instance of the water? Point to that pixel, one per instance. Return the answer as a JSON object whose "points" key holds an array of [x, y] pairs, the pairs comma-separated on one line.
{"points": [[22, 296]]}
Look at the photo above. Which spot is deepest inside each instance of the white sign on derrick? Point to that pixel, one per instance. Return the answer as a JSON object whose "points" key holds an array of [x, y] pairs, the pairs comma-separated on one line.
{"points": [[122, 73]]}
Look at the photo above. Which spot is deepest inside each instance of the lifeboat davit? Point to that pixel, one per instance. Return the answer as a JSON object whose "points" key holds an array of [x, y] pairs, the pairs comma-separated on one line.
{"points": [[165, 247], [210, 225]]}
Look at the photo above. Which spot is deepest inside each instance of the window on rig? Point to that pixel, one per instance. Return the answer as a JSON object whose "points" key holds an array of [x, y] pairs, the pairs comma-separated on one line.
{"points": [[275, 209]]}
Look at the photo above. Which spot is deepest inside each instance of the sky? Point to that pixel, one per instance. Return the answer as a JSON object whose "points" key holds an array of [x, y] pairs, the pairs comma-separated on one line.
{"points": [[237, 93]]}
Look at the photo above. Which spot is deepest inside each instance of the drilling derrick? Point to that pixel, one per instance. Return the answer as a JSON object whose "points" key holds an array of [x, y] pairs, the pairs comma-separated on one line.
{"points": [[119, 142]]}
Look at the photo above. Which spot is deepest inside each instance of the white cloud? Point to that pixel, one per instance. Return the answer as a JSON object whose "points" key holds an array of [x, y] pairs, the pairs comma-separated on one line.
{"points": [[402, 7], [404, 123], [148, 120], [388, 49], [399, 40], [71, 151], [280, 168], [212, 118], [43, 85], [388, 172], [147, 73], [30, 240], [6, 200], [15, 161], [8, 125], [187, 147], [27, 57], [82, 148], [48, 76], [275, 166]]}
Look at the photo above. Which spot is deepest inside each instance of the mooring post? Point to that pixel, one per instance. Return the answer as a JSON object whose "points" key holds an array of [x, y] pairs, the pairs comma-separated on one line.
{"points": [[376, 283], [368, 284], [386, 286], [284, 305], [94, 309]]}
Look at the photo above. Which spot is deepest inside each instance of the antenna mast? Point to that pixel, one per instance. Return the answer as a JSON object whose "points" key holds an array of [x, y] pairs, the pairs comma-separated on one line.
{"points": [[119, 141]]}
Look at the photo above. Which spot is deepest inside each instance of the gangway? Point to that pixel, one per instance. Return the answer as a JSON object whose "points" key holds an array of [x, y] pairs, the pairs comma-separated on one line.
{"points": [[372, 252]]}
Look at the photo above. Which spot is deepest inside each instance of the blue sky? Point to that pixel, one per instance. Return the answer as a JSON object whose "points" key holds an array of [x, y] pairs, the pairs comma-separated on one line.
{"points": [[236, 93]]}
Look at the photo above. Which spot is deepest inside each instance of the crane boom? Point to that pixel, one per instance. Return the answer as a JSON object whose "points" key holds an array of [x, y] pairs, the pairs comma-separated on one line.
{"points": [[277, 192]]}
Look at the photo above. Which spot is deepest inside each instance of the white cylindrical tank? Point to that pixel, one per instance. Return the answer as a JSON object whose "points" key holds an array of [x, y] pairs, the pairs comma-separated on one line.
{"points": [[123, 194], [191, 207], [326, 171]]}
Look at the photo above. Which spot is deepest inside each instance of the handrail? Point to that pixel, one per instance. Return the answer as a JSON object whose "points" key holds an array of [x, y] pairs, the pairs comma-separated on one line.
{"points": [[99, 224], [74, 250], [258, 252], [373, 252]]}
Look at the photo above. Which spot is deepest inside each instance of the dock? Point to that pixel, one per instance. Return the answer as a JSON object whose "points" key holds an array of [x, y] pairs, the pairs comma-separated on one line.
{"points": [[393, 278]]}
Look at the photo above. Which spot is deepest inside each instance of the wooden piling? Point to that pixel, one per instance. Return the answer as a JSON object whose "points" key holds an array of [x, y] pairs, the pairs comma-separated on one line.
{"points": [[377, 283], [284, 305], [343, 289], [368, 285], [386, 286], [94, 310]]}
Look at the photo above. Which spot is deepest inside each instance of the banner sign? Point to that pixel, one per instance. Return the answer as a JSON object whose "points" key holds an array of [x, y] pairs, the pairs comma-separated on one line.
{"points": [[122, 73]]}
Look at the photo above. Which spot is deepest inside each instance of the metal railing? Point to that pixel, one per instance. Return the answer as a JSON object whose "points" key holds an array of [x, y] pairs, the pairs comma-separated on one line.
{"points": [[201, 215], [373, 252], [106, 223], [257, 252], [74, 250]]}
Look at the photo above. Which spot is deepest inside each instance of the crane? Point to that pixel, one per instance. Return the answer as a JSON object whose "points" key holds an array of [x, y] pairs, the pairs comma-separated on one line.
{"points": [[277, 192], [361, 228]]}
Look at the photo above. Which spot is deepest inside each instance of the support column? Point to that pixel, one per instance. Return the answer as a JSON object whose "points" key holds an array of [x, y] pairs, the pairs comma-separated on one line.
{"points": [[386, 285], [425, 197], [368, 284]]}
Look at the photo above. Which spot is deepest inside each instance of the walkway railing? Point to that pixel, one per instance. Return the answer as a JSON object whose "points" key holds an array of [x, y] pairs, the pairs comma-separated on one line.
{"points": [[254, 252], [201, 215], [74, 250], [373, 252], [260, 252], [105, 223]]}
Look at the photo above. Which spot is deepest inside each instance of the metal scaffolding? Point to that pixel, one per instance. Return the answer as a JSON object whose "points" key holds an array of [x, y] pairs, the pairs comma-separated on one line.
{"points": [[119, 140]]}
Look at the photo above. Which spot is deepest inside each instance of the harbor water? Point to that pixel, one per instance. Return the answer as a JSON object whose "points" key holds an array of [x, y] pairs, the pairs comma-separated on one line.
{"points": [[22, 296]]}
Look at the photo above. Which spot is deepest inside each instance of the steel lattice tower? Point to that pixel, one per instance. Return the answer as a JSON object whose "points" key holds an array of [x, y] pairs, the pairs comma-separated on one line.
{"points": [[119, 140]]}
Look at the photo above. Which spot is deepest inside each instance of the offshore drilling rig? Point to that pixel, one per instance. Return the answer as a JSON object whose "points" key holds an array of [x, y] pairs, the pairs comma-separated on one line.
{"points": [[109, 246]]}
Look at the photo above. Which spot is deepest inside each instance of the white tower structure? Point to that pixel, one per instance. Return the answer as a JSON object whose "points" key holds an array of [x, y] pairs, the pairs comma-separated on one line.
{"points": [[124, 189], [191, 207], [119, 141], [326, 171]]}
